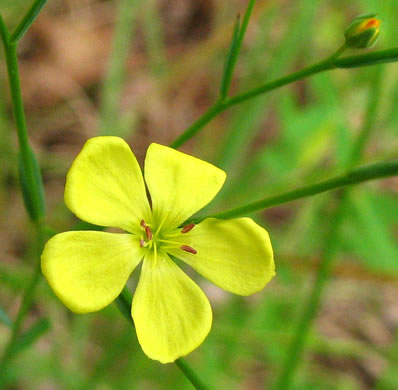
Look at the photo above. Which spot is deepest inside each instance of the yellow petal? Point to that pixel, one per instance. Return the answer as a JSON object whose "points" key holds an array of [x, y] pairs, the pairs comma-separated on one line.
{"points": [[171, 313], [88, 270], [105, 186], [234, 254], [179, 184]]}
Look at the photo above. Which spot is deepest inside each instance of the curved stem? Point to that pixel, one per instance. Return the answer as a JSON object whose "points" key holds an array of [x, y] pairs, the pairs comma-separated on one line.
{"points": [[332, 62], [212, 112], [360, 175]]}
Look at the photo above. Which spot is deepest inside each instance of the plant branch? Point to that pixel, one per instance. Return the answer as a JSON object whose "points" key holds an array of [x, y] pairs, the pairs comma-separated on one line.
{"points": [[360, 175], [368, 59], [27, 20]]}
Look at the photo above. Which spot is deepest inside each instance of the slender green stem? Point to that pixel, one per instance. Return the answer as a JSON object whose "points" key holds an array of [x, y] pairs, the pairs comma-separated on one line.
{"points": [[338, 52], [245, 23], [123, 302], [303, 327], [230, 62], [382, 56], [5, 35], [360, 175], [32, 178], [236, 44], [212, 112], [195, 380], [27, 20], [299, 75]]}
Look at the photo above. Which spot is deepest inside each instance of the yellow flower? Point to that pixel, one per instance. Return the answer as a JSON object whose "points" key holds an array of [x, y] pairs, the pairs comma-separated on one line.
{"points": [[88, 269]]}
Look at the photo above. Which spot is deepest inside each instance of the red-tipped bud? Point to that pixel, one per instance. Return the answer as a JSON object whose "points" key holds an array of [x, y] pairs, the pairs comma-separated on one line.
{"points": [[362, 32]]}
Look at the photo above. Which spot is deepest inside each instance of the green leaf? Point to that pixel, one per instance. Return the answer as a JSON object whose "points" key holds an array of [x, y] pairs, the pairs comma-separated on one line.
{"points": [[28, 338], [33, 195], [4, 319]]}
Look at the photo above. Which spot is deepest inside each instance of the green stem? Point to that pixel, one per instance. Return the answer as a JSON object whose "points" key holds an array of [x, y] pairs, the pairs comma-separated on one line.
{"points": [[212, 112], [195, 380], [360, 175], [123, 302], [236, 44], [382, 56], [27, 20], [32, 178], [338, 52]]}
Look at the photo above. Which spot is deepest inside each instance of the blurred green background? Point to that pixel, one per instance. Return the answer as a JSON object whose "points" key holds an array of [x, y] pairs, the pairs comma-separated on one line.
{"points": [[145, 70]]}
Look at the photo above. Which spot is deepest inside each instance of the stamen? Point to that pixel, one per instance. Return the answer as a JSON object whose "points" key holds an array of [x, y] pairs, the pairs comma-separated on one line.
{"points": [[187, 228], [189, 249], [147, 229], [142, 243], [148, 232]]}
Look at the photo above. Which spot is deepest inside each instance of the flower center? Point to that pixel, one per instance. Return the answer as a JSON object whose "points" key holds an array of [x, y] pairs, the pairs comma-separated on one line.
{"points": [[157, 239]]}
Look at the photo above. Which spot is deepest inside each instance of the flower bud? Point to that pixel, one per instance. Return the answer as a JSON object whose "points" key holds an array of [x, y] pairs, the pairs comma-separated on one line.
{"points": [[362, 32]]}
